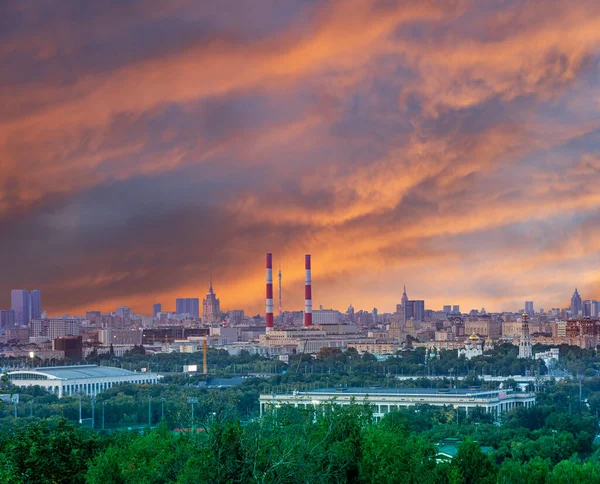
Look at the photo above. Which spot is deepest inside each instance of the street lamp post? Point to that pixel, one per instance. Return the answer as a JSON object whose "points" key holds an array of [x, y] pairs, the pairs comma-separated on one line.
{"points": [[103, 405], [192, 401], [93, 408], [79, 394]]}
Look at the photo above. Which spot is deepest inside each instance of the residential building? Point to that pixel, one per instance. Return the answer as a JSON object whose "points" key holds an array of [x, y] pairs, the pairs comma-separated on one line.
{"points": [[188, 305], [236, 316], [71, 346], [326, 316], [120, 336], [49, 329], [511, 329]]}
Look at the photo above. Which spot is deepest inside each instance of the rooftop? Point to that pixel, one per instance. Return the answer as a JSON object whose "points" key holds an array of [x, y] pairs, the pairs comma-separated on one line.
{"points": [[405, 391], [75, 371]]}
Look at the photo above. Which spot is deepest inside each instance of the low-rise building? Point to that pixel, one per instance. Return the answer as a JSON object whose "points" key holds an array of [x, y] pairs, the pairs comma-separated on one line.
{"points": [[387, 346], [385, 400]]}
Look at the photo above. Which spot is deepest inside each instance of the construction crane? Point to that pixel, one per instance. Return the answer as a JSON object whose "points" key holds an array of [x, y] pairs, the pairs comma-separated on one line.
{"points": [[204, 351]]}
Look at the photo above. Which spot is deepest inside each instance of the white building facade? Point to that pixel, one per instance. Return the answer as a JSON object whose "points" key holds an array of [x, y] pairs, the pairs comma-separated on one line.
{"points": [[71, 380], [385, 400]]}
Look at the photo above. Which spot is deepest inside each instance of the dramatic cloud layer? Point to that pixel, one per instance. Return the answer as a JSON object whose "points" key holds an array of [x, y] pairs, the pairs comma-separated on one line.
{"points": [[450, 145]]}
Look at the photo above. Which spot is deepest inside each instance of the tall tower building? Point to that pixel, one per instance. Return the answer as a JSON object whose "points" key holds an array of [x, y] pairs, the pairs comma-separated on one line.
{"points": [[19, 303], [576, 304], [156, 308], [590, 308], [188, 305], [211, 307], [529, 307], [524, 342], [405, 310], [35, 304]]}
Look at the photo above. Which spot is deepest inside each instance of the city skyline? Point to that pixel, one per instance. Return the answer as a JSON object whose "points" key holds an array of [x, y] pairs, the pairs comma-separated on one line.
{"points": [[410, 308], [449, 146]]}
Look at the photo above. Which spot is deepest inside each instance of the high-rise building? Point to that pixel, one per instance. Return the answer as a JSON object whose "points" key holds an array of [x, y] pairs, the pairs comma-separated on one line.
{"points": [[50, 329], [529, 307], [456, 309], [590, 308], [35, 304], [576, 304], [211, 307], [235, 316], [187, 305], [123, 312], [447, 309], [19, 299], [156, 308], [408, 309], [7, 319]]}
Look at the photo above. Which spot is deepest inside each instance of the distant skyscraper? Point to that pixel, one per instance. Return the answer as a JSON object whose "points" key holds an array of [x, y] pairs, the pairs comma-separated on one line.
{"points": [[211, 307], [529, 307], [456, 309], [576, 304], [35, 304], [123, 312], [19, 299], [187, 305], [157, 308], [524, 342], [590, 308], [410, 309], [447, 309], [7, 319]]}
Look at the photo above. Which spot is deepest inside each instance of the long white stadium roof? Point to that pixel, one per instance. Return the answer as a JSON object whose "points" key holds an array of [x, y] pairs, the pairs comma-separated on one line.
{"points": [[74, 372]]}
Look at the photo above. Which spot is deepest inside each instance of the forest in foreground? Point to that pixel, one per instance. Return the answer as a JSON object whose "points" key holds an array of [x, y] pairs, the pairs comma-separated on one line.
{"points": [[335, 444]]}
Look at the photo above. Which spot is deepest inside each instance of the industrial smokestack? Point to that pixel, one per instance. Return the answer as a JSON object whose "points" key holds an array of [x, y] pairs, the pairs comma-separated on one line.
{"points": [[269, 312], [307, 293]]}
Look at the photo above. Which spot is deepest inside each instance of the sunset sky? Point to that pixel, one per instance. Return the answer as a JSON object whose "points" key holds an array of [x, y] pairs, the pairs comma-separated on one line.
{"points": [[452, 146]]}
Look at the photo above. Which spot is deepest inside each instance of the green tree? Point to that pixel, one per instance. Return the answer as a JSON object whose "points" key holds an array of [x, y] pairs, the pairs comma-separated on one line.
{"points": [[474, 466]]}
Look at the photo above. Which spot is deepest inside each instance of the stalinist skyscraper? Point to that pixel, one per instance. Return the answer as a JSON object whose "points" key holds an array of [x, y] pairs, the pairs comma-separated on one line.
{"points": [[211, 307]]}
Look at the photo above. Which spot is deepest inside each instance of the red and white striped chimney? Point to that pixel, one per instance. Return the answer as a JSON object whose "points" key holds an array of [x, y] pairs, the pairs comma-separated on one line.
{"points": [[307, 293], [269, 311]]}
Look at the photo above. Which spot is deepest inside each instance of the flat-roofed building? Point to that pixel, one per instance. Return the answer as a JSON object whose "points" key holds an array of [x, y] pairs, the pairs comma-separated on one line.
{"points": [[70, 380], [310, 340], [120, 336], [385, 400], [377, 346]]}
